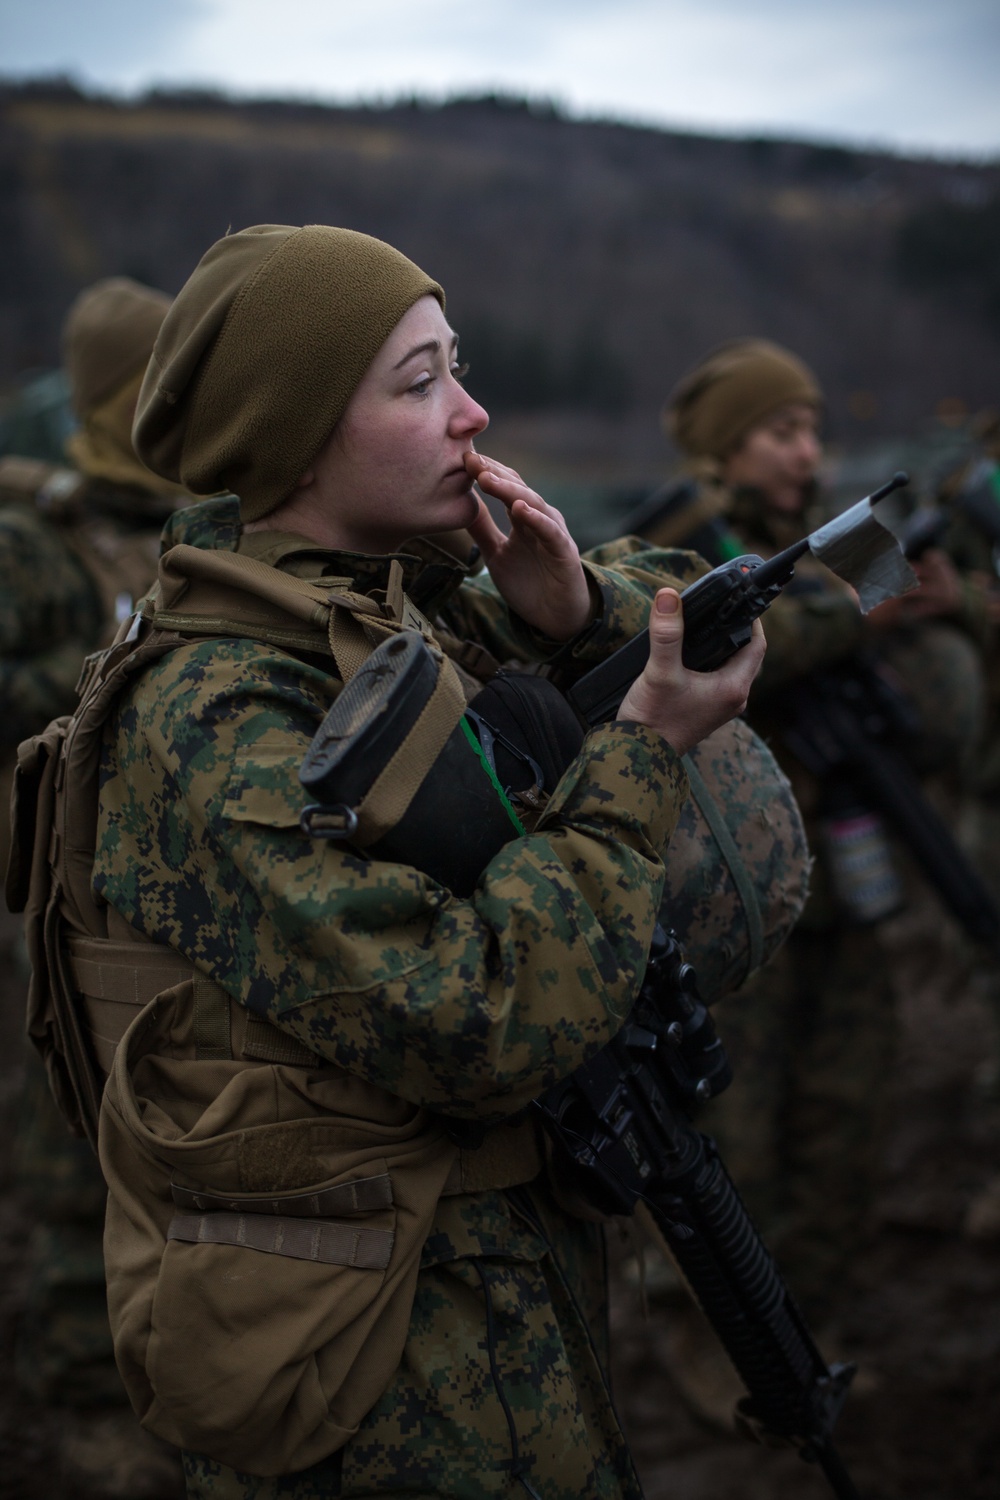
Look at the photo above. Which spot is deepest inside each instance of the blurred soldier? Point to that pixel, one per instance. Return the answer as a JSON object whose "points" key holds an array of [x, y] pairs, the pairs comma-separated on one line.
{"points": [[811, 1037], [78, 547], [971, 498]]}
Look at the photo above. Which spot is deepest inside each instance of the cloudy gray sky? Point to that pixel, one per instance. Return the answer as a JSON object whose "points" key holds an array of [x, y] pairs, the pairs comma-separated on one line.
{"points": [[914, 74]]}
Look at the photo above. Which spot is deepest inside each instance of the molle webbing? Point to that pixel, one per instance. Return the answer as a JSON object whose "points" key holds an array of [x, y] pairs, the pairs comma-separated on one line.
{"points": [[362, 1195], [324, 1240], [302, 1225], [116, 979]]}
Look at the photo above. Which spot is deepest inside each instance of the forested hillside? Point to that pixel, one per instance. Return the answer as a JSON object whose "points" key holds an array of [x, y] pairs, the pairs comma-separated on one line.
{"points": [[586, 264]]}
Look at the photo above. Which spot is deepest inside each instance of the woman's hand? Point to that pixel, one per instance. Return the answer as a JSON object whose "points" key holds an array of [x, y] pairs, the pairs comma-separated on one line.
{"points": [[682, 705], [537, 568]]}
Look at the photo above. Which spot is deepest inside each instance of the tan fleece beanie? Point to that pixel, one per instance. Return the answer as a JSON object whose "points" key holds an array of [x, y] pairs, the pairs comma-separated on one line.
{"points": [[261, 352], [712, 409], [109, 335]]}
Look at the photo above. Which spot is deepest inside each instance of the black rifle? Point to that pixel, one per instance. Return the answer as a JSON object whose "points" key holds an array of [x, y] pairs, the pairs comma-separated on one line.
{"points": [[623, 1136], [843, 721]]}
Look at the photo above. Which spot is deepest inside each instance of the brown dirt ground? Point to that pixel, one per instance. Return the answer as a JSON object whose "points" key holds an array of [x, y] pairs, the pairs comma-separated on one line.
{"points": [[925, 1327]]}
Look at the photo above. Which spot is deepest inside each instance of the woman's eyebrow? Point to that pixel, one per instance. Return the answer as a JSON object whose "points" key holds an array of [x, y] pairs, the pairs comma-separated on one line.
{"points": [[432, 346]]}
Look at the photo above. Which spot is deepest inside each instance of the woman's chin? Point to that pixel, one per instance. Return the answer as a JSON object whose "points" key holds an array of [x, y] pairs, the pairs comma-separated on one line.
{"points": [[459, 513]]}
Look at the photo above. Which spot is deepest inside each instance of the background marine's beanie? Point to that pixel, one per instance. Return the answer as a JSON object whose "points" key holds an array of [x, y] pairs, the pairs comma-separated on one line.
{"points": [[261, 352], [109, 335], [712, 409]]}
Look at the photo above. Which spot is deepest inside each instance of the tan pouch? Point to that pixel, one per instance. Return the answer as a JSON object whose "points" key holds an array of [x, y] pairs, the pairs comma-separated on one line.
{"points": [[263, 1239]]}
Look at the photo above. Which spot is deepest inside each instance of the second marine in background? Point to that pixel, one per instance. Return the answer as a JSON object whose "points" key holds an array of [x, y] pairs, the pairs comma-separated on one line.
{"points": [[812, 1036], [78, 547]]}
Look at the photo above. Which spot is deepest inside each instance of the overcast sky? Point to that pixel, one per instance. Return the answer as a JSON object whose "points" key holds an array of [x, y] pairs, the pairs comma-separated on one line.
{"points": [[914, 74]]}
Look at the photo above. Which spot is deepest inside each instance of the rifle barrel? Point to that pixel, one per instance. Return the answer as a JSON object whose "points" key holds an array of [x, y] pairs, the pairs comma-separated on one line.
{"points": [[835, 1473]]}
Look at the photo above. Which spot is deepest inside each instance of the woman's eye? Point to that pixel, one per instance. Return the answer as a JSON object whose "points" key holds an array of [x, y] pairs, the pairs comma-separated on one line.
{"points": [[459, 372], [422, 386]]}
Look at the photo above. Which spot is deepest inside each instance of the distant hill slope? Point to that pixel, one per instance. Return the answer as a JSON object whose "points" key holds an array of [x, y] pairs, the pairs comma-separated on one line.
{"points": [[586, 264]]}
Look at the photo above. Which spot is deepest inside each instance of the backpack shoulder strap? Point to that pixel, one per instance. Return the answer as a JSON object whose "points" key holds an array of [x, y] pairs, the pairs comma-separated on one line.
{"points": [[202, 592]]}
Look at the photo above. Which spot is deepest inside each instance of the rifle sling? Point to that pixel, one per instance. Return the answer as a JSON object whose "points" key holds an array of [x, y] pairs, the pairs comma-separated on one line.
{"points": [[712, 814]]}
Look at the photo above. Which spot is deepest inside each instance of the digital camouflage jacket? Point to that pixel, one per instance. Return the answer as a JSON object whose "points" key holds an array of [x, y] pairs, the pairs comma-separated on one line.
{"points": [[469, 1007]]}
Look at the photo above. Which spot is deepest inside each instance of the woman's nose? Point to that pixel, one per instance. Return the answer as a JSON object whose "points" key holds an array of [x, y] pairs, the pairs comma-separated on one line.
{"points": [[469, 417]]}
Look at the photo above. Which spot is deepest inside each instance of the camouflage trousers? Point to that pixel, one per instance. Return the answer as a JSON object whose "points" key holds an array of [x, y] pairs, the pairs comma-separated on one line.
{"points": [[802, 1127], [502, 1375], [64, 1353]]}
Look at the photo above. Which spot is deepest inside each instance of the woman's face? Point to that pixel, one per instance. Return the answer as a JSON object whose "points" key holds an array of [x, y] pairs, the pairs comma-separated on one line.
{"points": [[779, 457], [393, 466]]}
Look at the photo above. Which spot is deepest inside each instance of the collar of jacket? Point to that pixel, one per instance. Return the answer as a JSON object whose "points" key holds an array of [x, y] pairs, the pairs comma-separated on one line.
{"points": [[431, 576]]}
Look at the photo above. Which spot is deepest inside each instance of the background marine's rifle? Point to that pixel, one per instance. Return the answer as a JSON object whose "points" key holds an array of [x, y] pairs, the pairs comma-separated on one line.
{"points": [[622, 1136], [842, 721]]}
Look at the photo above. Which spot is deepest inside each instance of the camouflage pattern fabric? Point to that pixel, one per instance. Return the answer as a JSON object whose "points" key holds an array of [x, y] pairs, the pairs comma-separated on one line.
{"points": [[471, 1007], [440, 1429]]}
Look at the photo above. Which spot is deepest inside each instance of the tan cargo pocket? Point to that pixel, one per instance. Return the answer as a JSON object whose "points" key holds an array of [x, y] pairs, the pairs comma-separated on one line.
{"points": [[263, 1239]]}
